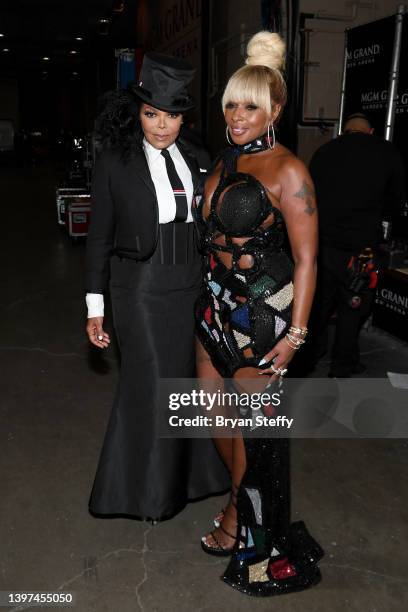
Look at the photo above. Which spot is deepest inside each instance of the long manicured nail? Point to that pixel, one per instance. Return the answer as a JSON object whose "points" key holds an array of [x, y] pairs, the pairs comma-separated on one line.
{"points": [[262, 362]]}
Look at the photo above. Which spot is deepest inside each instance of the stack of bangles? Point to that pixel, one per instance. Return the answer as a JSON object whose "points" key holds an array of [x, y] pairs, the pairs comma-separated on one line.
{"points": [[296, 336]]}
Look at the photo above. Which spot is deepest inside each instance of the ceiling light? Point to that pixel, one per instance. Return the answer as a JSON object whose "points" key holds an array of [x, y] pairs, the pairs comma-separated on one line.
{"points": [[74, 74], [1, 35], [73, 52], [6, 50], [104, 25], [78, 38], [46, 58]]}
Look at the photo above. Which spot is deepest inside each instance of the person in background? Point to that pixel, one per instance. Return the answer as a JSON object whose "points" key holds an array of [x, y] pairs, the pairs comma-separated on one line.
{"points": [[359, 180], [142, 247]]}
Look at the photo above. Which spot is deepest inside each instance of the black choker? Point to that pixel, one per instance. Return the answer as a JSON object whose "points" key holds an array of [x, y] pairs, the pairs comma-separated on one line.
{"points": [[231, 154], [259, 144]]}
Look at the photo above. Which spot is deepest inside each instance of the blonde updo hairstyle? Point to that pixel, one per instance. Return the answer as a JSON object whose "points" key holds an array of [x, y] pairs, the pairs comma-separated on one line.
{"points": [[260, 81]]}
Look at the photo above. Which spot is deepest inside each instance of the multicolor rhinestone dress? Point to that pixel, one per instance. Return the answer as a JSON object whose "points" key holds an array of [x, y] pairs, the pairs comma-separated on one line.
{"points": [[245, 308], [243, 311]]}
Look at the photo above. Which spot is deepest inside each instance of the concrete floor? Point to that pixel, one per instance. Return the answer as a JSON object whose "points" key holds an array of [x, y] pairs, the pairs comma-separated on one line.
{"points": [[56, 395]]}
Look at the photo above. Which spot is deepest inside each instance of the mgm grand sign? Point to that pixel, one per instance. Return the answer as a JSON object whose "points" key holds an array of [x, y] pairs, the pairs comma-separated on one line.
{"points": [[362, 55], [391, 304]]}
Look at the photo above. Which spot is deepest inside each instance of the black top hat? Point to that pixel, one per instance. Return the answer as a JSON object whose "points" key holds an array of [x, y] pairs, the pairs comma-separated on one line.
{"points": [[163, 82]]}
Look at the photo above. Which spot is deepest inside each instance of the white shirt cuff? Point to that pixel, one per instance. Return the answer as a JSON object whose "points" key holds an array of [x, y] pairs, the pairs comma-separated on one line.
{"points": [[95, 304]]}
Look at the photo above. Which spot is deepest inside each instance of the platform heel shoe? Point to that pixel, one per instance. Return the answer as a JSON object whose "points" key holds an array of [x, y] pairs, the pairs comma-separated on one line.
{"points": [[218, 549], [233, 501]]}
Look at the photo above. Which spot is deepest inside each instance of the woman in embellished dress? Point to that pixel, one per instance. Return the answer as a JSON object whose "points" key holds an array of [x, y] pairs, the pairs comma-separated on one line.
{"points": [[252, 316]]}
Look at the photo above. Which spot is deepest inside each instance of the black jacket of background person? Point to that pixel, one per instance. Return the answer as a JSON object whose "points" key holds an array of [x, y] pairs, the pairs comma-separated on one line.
{"points": [[359, 180], [125, 213]]}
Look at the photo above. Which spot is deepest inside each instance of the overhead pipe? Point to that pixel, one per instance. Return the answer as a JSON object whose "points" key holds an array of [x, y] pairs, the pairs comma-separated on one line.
{"points": [[331, 17]]}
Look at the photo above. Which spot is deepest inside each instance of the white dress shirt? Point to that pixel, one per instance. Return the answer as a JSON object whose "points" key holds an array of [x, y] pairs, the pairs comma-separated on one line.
{"points": [[164, 191], [165, 198]]}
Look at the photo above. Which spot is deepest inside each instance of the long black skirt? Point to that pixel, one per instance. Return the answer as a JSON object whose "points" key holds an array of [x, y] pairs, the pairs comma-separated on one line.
{"points": [[139, 473]]}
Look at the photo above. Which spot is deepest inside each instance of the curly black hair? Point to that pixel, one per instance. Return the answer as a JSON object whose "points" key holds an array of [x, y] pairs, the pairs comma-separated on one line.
{"points": [[117, 126]]}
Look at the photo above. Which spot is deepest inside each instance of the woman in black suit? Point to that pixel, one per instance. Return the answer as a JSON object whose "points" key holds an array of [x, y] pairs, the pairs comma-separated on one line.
{"points": [[142, 246]]}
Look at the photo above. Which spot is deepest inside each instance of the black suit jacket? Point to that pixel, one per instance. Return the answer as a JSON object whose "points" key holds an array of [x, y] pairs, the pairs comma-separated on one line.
{"points": [[125, 213]]}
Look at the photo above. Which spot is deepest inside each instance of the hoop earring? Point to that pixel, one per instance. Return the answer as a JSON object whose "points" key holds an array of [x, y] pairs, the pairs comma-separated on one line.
{"points": [[227, 135], [273, 136]]}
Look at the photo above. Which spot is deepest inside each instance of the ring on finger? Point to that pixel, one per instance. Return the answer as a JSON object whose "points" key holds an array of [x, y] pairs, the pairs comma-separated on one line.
{"points": [[279, 371]]}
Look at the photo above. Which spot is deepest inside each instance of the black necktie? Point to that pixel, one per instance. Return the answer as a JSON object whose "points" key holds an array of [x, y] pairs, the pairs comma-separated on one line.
{"points": [[177, 186]]}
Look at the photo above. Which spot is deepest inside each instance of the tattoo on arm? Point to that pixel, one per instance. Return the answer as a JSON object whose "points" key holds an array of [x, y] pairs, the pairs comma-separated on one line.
{"points": [[307, 194]]}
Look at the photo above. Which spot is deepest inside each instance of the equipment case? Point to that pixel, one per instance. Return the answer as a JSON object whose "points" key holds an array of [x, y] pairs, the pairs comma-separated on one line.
{"points": [[78, 215], [65, 195]]}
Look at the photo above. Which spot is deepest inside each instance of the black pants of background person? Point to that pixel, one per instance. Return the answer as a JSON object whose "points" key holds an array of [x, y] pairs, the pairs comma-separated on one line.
{"points": [[333, 295]]}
